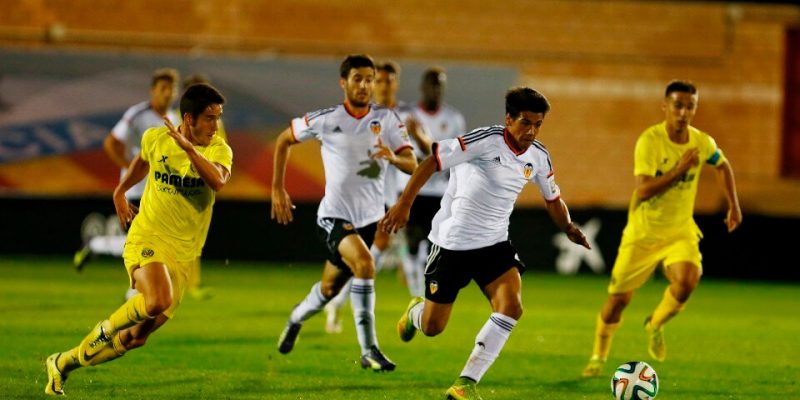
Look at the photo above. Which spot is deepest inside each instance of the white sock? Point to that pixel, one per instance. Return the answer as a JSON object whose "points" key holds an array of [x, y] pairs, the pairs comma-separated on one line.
{"points": [[312, 304], [415, 313], [490, 340], [362, 301], [376, 255], [111, 245], [415, 275], [341, 298]]}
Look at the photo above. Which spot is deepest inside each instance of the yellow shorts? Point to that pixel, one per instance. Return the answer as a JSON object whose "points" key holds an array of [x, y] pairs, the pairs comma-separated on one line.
{"points": [[141, 251], [637, 260]]}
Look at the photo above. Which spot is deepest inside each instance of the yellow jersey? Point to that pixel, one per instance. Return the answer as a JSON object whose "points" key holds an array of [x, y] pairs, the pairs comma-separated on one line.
{"points": [[176, 205], [670, 213]]}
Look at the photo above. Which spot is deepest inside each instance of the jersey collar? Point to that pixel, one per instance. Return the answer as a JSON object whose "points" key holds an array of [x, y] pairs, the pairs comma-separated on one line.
{"points": [[510, 143], [353, 113]]}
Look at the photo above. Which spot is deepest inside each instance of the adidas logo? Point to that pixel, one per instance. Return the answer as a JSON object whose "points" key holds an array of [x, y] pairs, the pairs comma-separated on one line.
{"points": [[496, 160], [337, 129]]}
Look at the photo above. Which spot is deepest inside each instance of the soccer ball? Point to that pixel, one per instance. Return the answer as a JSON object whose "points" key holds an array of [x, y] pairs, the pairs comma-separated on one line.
{"points": [[634, 380]]}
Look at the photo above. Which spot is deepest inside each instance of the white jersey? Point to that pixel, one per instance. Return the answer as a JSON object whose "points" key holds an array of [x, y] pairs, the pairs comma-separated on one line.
{"points": [[130, 129], [444, 123], [486, 177], [354, 182], [392, 181]]}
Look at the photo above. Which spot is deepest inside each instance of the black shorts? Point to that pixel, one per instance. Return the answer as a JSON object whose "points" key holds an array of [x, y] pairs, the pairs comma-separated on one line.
{"points": [[423, 210], [331, 231], [448, 271]]}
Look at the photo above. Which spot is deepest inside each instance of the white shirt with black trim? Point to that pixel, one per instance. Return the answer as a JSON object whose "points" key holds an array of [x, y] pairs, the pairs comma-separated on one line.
{"points": [[354, 182], [444, 123], [130, 129], [486, 177]]}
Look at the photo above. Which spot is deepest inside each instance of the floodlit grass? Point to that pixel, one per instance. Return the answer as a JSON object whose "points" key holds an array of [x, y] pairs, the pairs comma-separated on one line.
{"points": [[736, 340]]}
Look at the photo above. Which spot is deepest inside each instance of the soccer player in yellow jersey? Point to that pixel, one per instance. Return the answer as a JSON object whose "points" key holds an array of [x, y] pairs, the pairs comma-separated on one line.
{"points": [[661, 230], [184, 168]]}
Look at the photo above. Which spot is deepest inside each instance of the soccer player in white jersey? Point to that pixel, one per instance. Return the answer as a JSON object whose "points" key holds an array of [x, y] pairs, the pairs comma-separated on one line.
{"points": [[387, 82], [488, 169], [124, 143], [359, 141], [441, 121]]}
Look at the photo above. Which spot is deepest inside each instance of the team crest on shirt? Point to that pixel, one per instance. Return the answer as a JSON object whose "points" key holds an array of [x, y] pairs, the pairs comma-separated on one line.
{"points": [[375, 126], [347, 226], [434, 287], [147, 253], [528, 170]]}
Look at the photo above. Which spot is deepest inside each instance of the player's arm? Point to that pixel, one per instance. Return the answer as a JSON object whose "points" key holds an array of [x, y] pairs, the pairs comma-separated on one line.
{"points": [[214, 174], [397, 216], [404, 160], [419, 135], [281, 202], [115, 150], [559, 213], [726, 181], [136, 171], [648, 186]]}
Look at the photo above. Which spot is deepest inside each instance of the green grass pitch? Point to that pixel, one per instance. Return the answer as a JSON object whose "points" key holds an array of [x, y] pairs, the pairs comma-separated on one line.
{"points": [[736, 340]]}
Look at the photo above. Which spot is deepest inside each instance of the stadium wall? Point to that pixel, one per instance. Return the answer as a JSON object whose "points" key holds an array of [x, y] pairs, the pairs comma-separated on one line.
{"points": [[761, 249]]}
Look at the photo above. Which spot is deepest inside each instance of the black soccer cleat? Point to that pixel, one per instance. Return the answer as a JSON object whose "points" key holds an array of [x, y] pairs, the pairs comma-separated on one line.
{"points": [[376, 361]]}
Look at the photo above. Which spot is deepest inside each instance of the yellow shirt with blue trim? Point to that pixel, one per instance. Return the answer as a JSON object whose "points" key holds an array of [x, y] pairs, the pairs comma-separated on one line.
{"points": [[177, 203], [669, 213]]}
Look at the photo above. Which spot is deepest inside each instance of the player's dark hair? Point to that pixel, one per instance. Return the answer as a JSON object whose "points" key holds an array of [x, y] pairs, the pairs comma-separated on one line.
{"points": [[680, 86], [389, 67], [433, 75], [198, 97], [164, 74], [355, 61], [521, 99]]}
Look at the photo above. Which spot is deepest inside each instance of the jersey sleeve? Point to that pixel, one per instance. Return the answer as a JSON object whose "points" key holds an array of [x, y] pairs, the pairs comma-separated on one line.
{"points": [[544, 178], [644, 159], [450, 152], [148, 142], [306, 128], [712, 154], [221, 154], [396, 136], [124, 128]]}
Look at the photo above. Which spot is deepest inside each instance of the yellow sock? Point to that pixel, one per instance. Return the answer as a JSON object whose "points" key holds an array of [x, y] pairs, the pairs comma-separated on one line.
{"points": [[668, 308], [111, 351], [130, 314], [68, 361], [603, 334]]}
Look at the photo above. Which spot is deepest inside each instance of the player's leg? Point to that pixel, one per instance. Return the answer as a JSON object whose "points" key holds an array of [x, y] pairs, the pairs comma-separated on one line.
{"points": [[333, 279], [333, 317], [684, 277], [633, 266], [194, 287], [155, 297], [356, 255]]}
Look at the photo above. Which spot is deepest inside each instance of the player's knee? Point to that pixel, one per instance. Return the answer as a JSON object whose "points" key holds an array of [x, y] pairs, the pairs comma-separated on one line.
{"points": [[511, 310], [329, 289], [432, 327], [682, 290], [158, 303], [364, 267]]}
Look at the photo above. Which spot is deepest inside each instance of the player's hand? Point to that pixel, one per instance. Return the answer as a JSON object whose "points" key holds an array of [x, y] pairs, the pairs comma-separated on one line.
{"points": [[281, 207], [689, 159], [395, 219], [126, 212], [576, 236], [180, 140], [733, 219], [384, 152]]}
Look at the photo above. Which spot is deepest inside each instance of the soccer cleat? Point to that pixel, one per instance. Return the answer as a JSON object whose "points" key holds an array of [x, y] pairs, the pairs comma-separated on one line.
{"points": [[81, 257], [463, 389], [288, 337], [376, 361], [92, 344], [594, 368], [333, 324], [656, 346], [405, 327], [55, 379]]}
